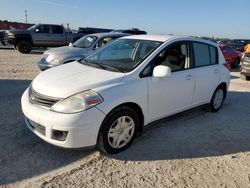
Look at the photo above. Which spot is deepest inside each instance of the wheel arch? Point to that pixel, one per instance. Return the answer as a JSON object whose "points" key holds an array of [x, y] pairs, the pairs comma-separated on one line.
{"points": [[24, 37], [131, 105], [224, 86]]}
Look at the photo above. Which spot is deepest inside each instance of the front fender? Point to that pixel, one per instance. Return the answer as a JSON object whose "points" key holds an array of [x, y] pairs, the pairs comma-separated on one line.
{"points": [[125, 92]]}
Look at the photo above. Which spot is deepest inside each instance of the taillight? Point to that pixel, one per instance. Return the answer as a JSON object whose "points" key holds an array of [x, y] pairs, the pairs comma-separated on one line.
{"points": [[228, 66]]}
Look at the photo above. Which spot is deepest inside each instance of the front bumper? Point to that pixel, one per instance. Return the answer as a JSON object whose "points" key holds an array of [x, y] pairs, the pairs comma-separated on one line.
{"points": [[82, 128]]}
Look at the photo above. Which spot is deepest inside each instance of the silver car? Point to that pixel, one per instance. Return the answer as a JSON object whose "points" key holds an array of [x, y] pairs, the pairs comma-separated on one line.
{"points": [[77, 50]]}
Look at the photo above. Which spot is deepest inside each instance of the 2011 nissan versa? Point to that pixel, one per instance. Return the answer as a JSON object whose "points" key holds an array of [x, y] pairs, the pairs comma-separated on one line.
{"points": [[108, 97]]}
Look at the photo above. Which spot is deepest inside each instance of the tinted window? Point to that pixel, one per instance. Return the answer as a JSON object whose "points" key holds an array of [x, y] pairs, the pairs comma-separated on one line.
{"points": [[213, 55], [201, 54], [42, 29], [57, 29]]}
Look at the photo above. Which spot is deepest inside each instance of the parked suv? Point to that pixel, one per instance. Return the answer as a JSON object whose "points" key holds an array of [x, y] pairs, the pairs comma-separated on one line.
{"points": [[41, 35], [232, 56], [108, 97], [77, 50]]}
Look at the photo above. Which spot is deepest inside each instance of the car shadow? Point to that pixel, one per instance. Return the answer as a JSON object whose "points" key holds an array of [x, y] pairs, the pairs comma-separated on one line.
{"points": [[23, 154], [196, 133]]}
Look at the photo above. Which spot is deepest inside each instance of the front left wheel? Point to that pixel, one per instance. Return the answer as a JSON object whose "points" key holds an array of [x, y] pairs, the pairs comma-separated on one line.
{"points": [[118, 131]]}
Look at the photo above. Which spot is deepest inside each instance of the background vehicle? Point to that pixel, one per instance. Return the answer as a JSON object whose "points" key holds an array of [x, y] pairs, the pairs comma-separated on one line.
{"points": [[2, 32], [245, 67], [133, 31], [90, 30], [232, 56], [41, 35], [79, 49], [238, 44], [108, 97]]}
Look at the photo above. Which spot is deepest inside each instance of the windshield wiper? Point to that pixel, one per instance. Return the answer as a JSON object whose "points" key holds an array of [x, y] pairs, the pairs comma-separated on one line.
{"points": [[112, 68], [102, 66]]}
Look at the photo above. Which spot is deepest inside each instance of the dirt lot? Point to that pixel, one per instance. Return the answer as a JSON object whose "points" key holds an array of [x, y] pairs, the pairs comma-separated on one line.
{"points": [[194, 149]]}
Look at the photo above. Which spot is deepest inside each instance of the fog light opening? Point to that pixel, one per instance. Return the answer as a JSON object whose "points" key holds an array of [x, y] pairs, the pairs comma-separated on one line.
{"points": [[60, 135]]}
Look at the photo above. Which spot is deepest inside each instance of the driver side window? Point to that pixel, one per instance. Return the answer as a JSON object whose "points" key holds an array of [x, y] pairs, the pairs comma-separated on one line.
{"points": [[174, 56], [42, 29]]}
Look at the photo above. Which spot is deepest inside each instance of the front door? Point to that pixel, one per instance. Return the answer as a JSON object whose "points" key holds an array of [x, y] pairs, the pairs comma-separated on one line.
{"points": [[42, 35], [174, 93]]}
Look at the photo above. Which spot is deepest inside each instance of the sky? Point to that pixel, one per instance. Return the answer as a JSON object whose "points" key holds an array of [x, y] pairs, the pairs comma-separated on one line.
{"points": [[213, 18]]}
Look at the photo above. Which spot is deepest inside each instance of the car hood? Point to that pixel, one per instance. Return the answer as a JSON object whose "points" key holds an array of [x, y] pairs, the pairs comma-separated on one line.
{"points": [[71, 78], [18, 31], [68, 50]]}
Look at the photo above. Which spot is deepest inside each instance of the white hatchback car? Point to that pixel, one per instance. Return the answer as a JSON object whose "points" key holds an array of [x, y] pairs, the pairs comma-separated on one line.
{"points": [[108, 97]]}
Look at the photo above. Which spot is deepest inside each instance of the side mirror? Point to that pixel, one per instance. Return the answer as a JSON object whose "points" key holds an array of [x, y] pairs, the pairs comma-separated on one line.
{"points": [[70, 44], [37, 30], [161, 71]]}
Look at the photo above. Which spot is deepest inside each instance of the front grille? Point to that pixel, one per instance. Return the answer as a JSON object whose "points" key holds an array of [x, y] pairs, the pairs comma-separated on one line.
{"points": [[39, 99], [37, 127]]}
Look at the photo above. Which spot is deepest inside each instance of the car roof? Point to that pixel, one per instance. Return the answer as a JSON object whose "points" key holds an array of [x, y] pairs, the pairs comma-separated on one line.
{"points": [[109, 34], [164, 38]]}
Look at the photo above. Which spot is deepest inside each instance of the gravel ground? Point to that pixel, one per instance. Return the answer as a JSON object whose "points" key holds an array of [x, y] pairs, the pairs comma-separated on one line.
{"points": [[192, 149]]}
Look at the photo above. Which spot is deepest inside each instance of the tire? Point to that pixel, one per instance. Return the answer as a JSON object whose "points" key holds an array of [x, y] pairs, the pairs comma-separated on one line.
{"points": [[24, 47], [217, 99], [115, 137], [236, 63]]}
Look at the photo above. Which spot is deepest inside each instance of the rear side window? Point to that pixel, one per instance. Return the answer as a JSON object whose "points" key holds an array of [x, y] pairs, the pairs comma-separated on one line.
{"points": [[204, 54], [57, 30]]}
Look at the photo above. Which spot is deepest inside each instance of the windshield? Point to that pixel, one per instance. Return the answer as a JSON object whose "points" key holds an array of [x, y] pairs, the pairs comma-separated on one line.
{"points": [[122, 54], [32, 28], [85, 42]]}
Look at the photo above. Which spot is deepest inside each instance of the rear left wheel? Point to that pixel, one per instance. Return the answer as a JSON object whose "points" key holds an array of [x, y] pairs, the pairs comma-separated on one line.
{"points": [[118, 130], [217, 99]]}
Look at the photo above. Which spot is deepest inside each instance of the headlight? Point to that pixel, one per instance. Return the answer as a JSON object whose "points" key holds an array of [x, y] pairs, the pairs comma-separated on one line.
{"points": [[78, 102], [11, 34], [56, 60]]}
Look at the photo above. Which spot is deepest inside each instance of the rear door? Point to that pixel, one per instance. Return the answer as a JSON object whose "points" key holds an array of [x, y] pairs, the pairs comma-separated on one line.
{"points": [[58, 35], [206, 72]]}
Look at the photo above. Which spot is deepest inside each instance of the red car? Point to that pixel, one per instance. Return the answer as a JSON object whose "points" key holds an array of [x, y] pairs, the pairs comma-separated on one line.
{"points": [[231, 56]]}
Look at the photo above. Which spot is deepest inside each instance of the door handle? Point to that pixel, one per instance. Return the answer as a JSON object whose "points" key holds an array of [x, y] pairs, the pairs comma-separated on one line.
{"points": [[189, 77]]}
